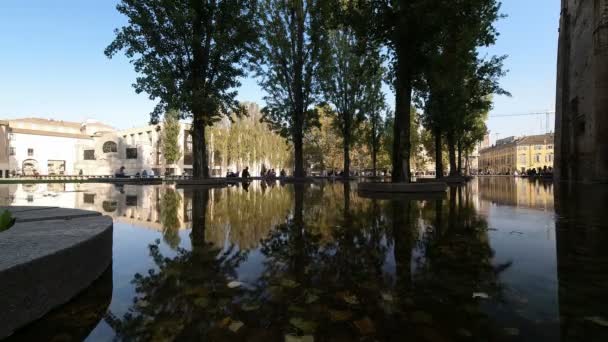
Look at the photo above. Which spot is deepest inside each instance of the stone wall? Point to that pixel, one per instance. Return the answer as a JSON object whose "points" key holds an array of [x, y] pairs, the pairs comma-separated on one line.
{"points": [[582, 92]]}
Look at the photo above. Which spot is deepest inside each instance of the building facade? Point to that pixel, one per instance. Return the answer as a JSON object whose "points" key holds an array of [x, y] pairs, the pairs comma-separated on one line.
{"points": [[518, 154], [581, 119]]}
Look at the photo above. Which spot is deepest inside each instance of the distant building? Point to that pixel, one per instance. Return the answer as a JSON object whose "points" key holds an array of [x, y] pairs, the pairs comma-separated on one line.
{"points": [[518, 154], [34, 146]]}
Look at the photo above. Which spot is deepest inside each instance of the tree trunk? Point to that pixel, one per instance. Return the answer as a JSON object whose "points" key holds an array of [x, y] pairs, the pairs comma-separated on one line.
{"points": [[452, 153], [199, 149], [403, 98], [374, 161], [346, 135], [459, 161], [438, 154]]}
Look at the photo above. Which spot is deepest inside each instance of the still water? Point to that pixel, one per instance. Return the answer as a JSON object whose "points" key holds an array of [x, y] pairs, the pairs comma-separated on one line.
{"points": [[499, 259]]}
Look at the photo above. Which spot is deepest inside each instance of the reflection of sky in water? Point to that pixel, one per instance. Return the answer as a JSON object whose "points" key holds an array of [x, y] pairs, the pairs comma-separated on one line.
{"points": [[519, 213]]}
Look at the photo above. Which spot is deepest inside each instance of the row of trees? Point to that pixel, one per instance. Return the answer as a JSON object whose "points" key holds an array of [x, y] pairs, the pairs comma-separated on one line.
{"points": [[311, 54]]}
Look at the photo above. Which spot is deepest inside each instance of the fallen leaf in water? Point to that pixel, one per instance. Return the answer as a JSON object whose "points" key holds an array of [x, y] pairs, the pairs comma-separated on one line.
{"points": [[250, 307], [464, 333], [236, 325], [512, 331], [387, 297], [289, 283], [295, 308], [349, 298], [481, 295], [421, 317], [305, 338], [339, 315], [365, 326], [311, 298], [224, 322], [201, 302], [234, 284], [303, 325], [597, 320]]}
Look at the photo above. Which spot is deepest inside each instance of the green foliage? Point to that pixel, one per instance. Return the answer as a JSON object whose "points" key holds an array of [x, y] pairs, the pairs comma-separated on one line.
{"points": [[350, 78], [6, 220], [245, 141], [170, 137], [287, 63], [190, 56]]}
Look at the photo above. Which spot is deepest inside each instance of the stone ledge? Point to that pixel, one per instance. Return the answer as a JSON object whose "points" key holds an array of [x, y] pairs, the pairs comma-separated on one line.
{"points": [[48, 257], [403, 187]]}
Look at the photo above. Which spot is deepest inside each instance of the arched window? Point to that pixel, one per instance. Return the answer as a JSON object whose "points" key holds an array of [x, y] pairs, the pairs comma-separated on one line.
{"points": [[110, 146]]}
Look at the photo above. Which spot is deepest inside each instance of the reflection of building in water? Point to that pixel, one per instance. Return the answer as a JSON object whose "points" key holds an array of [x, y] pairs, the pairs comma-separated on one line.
{"points": [[534, 194]]}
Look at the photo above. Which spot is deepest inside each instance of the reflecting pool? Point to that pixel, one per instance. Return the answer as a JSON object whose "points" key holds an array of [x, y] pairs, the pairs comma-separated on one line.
{"points": [[500, 259]]}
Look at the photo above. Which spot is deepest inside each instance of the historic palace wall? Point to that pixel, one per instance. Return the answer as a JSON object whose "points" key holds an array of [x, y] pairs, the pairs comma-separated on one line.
{"points": [[582, 92]]}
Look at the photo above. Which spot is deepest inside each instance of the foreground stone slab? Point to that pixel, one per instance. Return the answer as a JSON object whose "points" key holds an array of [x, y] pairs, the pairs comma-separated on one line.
{"points": [[48, 257], [403, 187]]}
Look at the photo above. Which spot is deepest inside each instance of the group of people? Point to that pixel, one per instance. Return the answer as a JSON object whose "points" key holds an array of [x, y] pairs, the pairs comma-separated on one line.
{"points": [[244, 174], [121, 173], [264, 174], [544, 171]]}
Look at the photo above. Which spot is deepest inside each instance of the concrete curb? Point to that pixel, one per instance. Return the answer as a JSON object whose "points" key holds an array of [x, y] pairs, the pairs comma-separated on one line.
{"points": [[48, 257]]}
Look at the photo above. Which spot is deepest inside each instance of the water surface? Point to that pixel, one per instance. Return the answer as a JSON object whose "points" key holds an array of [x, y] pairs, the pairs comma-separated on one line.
{"points": [[499, 259]]}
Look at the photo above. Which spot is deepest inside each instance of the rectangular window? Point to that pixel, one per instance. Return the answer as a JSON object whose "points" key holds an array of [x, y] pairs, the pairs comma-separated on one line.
{"points": [[131, 153], [89, 198], [549, 147], [131, 201], [537, 158], [12, 151], [538, 147], [522, 159], [89, 155], [149, 136], [549, 158], [30, 152]]}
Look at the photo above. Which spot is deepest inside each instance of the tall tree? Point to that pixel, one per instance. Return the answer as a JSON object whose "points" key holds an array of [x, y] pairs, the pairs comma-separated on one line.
{"points": [[350, 77], [287, 64], [190, 55], [170, 137], [406, 28]]}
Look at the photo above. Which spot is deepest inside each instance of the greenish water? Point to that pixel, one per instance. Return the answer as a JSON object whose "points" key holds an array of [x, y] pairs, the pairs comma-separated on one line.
{"points": [[496, 260]]}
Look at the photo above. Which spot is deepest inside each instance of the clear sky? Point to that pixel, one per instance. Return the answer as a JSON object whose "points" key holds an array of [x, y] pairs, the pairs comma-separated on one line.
{"points": [[52, 64]]}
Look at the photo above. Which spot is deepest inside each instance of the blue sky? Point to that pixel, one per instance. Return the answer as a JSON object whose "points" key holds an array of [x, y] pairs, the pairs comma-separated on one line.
{"points": [[52, 64]]}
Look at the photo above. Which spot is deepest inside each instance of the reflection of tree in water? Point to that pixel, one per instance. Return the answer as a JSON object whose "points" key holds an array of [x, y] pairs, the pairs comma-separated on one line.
{"points": [[246, 217], [169, 217], [184, 297], [456, 262]]}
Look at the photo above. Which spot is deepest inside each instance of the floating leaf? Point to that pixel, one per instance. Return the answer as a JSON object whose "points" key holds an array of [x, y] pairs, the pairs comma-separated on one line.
{"points": [[421, 317], [597, 320], [234, 284], [289, 283], [512, 331], [303, 325], [201, 302], [311, 298], [250, 307], [224, 322], [235, 326], [387, 297], [305, 338], [349, 298], [481, 295], [295, 308], [365, 326], [340, 316]]}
